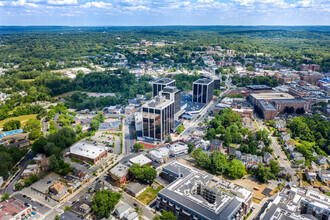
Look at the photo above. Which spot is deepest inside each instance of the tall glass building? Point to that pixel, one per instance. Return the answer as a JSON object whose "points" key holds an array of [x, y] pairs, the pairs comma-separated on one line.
{"points": [[203, 90], [158, 118], [172, 93], [160, 84]]}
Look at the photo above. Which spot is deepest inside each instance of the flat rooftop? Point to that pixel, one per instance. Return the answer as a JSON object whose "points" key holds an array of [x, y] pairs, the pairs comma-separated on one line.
{"points": [[140, 159], [183, 192], [164, 81], [158, 102], [86, 150], [258, 87], [267, 105], [268, 96], [170, 89], [205, 81], [120, 170]]}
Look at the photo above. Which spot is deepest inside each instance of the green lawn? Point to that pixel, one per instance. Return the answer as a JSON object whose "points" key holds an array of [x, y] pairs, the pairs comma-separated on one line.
{"points": [[23, 119], [149, 194]]}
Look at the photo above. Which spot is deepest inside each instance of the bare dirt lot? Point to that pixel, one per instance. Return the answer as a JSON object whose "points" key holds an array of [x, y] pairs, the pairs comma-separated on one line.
{"points": [[250, 183]]}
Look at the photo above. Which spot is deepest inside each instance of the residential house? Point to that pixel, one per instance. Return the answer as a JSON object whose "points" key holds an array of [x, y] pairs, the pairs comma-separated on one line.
{"points": [[321, 160], [261, 145], [250, 160], [285, 136], [310, 176], [57, 188], [297, 156], [283, 172], [268, 157], [122, 210], [324, 175], [30, 170], [216, 145]]}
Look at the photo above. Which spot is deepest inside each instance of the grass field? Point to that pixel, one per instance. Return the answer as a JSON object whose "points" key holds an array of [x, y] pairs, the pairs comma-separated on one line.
{"points": [[149, 194], [23, 119]]}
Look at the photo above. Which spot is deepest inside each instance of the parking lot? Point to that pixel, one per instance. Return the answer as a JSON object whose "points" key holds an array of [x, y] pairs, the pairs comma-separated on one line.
{"points": [[42, 186], [38, 206], [108, 138]]}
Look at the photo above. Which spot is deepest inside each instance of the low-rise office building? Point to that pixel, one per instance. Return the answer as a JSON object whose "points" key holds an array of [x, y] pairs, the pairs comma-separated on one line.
{"points": [[178, 148], [119, 175], [87, 152]]}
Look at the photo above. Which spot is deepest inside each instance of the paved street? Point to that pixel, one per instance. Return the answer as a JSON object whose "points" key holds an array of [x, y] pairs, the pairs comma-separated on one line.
{"points": [[280, 155], [24, 163]]}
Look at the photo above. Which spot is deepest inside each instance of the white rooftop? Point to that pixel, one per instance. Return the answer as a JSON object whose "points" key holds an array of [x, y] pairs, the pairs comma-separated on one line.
{"points": [[140, 159], [86, 150]]}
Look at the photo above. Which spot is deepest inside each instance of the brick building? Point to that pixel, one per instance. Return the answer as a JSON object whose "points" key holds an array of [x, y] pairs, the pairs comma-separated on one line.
{"points": [[119, 175], [87, 152], [216, 145]]}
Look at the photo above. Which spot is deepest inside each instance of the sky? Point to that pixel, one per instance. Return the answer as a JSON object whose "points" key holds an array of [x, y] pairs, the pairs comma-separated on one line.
{"points": [[164, 12]]}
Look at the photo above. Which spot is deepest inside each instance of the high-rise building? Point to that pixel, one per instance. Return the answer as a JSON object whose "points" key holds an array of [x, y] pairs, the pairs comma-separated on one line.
{"points": [[160, 84], [203, 90], [172, 93], [158, 118]]}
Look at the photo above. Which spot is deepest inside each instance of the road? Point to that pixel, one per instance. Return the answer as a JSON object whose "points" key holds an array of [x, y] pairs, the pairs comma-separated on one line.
{"points": [[192, 125], [24, 163], [128, 135], [280, 155]]}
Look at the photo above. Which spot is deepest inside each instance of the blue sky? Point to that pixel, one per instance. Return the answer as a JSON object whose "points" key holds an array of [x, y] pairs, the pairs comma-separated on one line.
{"points": [[164, 12]]}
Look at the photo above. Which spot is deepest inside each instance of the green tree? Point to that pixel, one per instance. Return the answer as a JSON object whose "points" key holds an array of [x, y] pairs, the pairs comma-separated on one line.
{"points": [[67, 208], [137, 147], [263, 174], [274, 167], [168, 216], [18, 186], [5, 197], [219, 162], [191, 148], [53, 163], [180, 129], [236, 169], [78, 129], [11, 125], [104, 202]]}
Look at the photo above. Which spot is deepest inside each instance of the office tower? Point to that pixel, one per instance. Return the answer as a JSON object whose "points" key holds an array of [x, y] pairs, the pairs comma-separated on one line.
{"points": [[172, 93], [158, 118], [203, 90], [159, 85]]}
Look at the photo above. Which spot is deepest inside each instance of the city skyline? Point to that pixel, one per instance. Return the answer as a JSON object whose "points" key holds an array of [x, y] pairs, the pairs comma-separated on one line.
{"points": [[168, 12]]}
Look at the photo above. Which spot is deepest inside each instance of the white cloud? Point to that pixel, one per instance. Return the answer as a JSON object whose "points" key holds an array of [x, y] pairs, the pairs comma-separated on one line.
{"points": [[205, 1], [62, 2], [97, 5], [23, 3], [138, 8]]}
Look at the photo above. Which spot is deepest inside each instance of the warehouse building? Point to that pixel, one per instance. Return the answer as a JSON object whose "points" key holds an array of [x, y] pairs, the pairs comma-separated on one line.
{"points": [[87, 152]]}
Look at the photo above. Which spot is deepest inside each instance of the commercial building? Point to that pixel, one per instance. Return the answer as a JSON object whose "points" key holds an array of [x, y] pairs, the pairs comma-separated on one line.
{"points": [[312, 67], [268, 111], [12, 209], [178, 148], [259, 88], [158, 118], [140, 159], [160, 84], [291, 106], [119, 175], [87, 152], [159, 155], [289, 77], [194, 194], [298, 203], [203, 90], [254, 98], [311, 77], [172, 93]]}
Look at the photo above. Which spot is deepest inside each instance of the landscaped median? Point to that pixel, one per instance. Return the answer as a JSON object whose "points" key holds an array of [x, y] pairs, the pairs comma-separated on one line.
{"points": [[150, 193]]}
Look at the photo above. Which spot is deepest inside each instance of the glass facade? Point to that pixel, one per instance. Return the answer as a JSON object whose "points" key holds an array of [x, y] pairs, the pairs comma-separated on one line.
{"points": [[203, 93], [159, 86], [158, 123]]}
